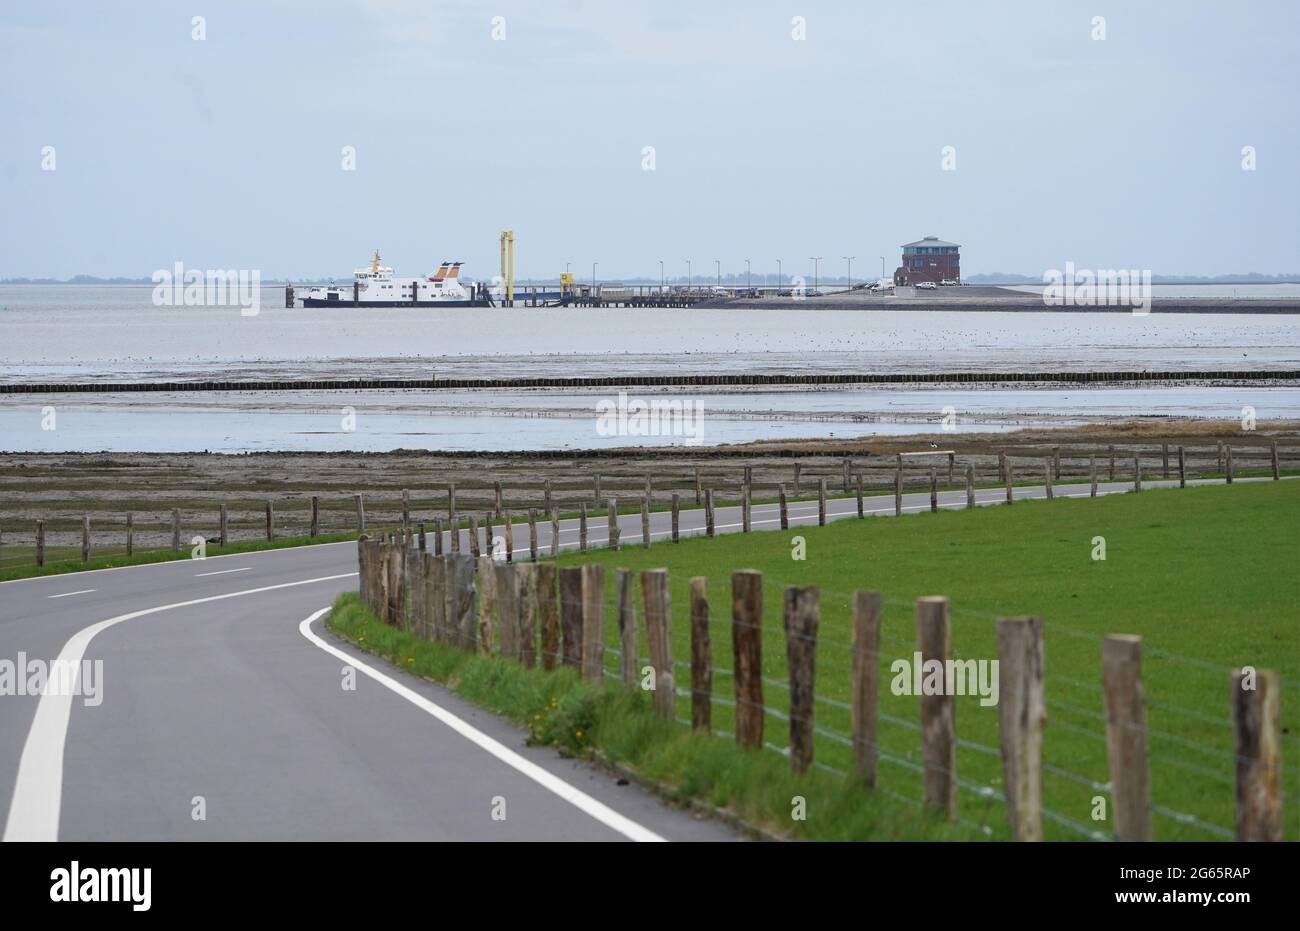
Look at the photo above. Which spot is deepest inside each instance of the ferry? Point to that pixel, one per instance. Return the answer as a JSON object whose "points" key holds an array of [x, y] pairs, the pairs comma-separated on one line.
{"points": [[376, 286]]}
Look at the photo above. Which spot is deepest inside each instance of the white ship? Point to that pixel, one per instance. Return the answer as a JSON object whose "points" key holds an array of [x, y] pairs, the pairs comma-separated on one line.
{"points": [[376, 286]]}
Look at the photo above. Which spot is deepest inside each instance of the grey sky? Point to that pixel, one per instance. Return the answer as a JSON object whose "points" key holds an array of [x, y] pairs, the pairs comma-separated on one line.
{"points": [[226, 153]]}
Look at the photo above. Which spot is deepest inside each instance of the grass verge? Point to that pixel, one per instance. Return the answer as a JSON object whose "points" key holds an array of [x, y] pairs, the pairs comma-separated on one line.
{"points": [[617, 725]]}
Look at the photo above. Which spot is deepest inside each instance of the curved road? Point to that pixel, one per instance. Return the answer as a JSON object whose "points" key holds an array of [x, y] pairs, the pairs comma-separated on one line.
{"points": [[223, 696]]}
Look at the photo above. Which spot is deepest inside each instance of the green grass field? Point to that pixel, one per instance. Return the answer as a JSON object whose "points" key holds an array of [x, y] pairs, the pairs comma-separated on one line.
{"points": [[1208, 576]]}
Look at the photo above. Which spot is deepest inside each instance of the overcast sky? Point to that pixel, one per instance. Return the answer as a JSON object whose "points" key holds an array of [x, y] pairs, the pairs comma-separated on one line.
{"points": [[228, 152]]}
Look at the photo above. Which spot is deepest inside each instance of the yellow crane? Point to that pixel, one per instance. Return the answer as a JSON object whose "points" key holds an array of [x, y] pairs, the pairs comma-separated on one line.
{"points": [[508, 265]]}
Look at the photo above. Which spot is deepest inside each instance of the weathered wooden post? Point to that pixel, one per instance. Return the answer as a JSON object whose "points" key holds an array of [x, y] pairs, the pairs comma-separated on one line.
{"points": [[361, 513], [1137, 472], [437, 536], [547, 506], [1047, 477], [222, 524], [747, 650], [453, 537], [626, 617], [708, 513], [858, 483], [676, 516], [463, 606], [1228, 473], [1164, 460], [844, 474], [1182, 469], [1126, 736], [649, 488], [473, 538], [697, 485], [270, 520], [802, 612], [866, 684], [489, 545], [1219, 452], [496, 492], [451, 505], [40, 543], [970, 486], [545, 578], [938, 731], [526, 640], [555, 533], [1277, 471], [744, 509], [1002, 466], [645, 523], [315, 516], [130, 534], [85, 538], [1092, 474], [785, 513], [898, 488], [593, 622], [654, 594], [1056, 463], [934, 491], [597, 480], [798, 468], [1010, 480], [406, 507], [1257, 730], [505, 594], [571, 615], [508, 525], [821, 502], [701, 658], [488, 609], [611, 517], [532, 534], [1112, 463], [582, 526], [1022, 710], [176, 530]]}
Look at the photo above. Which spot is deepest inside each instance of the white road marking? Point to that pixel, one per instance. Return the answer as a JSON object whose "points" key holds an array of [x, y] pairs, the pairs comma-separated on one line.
{"points": [[575, 797], [38, 788], [84, 591], [222, 572]]}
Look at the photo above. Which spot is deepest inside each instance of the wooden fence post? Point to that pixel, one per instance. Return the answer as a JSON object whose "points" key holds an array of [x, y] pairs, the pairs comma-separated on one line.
{"points": [[645, 523], [1056, 463], [708, 513], [361, 513], [744, 509], [488, 608], [934, 491], [505, 596], [509, 526], [626, 617], [526, 586], [1092, 474], [938, 731], [437, 536], [451, 504], [821, 502], [555, 533], [952, 457], [130, 533], [1021, 713], [473, 538], [406, 507], [315, 515], [1010, 479], [654, 594], [546, 496], [1137, 472], [747, 650], [545, 578], [701, 658], [697, 484], [1182, 469], [176, 530], [861, 512], [785, 513], [593, 622], [1228, 451], [270, 520], [85, 538], [970, 486], [222, 524], [532, 534], [496, 495], [435, 597], [1126, 736], [1277, 471], [802, 612], [1112, 464], [1257, 729], [798, 468], [898, 488], [463, 605], [1047, 475], [611, 508], [1164, 460], [676, 516], [453, 531], [582, 527], [571, 615], [597, 481], [844, 474], [866, 685]]}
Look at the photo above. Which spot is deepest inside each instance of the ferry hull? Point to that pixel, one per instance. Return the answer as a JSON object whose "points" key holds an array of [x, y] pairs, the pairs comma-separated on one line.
{"points": [[348, 302]]}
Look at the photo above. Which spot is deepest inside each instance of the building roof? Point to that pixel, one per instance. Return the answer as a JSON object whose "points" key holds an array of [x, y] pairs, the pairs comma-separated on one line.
{"points": [[930, 241]]}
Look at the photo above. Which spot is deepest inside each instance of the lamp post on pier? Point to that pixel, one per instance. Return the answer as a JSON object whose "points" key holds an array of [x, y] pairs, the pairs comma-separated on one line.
{"points": [[849, 259], [816, 260]]}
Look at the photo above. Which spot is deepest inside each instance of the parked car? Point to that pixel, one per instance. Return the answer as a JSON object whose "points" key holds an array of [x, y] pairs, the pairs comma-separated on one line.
{"points": [[948, 283], [926, 286]]}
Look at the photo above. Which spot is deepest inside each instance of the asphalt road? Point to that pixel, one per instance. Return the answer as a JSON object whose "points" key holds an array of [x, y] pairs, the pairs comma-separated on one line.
{"points": [[221, 694]]}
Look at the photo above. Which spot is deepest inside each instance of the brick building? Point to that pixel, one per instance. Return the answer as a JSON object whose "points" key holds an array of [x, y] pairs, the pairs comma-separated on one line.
{"points": [[929, 259]]}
